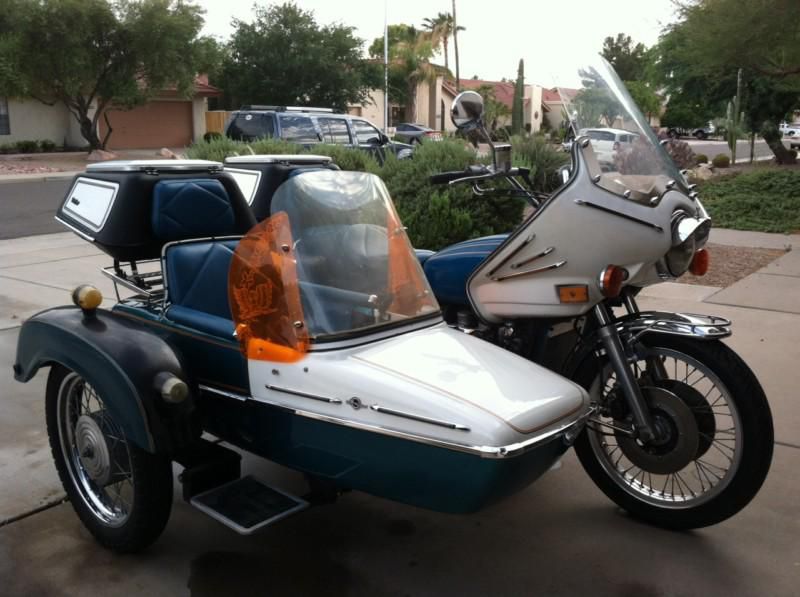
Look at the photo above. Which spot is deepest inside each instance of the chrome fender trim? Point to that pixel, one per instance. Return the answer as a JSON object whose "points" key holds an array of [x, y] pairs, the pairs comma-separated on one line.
{"points": [[702, 327]]}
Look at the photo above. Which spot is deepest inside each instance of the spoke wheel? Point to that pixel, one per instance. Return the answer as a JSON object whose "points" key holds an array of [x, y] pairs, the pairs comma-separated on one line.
{"points": [[715, 437], [122, 494]]}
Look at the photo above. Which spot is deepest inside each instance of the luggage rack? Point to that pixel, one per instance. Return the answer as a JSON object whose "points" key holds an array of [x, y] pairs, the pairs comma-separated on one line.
{"points": [[148, 284]]}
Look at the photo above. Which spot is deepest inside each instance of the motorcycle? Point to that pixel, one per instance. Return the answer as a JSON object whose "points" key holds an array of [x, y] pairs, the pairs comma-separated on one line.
{"points": [[314, 339]]}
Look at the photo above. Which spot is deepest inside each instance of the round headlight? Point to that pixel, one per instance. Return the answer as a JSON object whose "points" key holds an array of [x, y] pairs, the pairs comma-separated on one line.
{"points": [[679, 258]]}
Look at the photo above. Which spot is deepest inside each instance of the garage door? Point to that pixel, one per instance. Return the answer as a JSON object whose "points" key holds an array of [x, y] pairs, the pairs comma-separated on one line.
{"points": [[151, 126]]}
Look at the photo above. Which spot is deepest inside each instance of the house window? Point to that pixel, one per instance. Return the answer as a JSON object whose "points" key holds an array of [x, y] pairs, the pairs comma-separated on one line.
{"points": [[5, 125]]}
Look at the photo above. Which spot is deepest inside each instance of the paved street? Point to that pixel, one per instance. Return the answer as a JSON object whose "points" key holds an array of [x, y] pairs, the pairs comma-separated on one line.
{"points": [[29, 206], [712, 148], [560, 536]]}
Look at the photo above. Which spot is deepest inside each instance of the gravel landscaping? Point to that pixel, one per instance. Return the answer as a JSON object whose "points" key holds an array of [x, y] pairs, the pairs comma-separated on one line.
{"points": [[731, 264]]}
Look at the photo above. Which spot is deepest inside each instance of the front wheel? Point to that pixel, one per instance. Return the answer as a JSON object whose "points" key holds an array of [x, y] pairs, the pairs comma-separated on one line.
{"points": [[122, 494], [716, 440]]}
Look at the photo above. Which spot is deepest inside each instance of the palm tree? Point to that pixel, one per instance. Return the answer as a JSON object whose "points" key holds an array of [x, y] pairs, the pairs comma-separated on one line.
{"points": [[412, 57], [441, 28]]}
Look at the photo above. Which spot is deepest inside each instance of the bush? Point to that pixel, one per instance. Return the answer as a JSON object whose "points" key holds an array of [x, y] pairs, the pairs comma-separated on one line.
{"points": [[766, 199], [721, 160], [47, 145], [439, 215], [210, 135], [348, 158], [8, 148], [27, 147], [701, 158], [680, 151], [542, 158]]}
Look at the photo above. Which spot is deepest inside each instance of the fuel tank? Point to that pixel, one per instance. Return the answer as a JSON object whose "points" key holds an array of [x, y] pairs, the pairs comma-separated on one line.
{"points": [[447, 271]]}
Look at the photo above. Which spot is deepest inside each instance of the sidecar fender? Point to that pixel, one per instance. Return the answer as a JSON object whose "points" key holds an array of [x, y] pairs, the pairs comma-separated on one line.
{"points": [[119, 358]]}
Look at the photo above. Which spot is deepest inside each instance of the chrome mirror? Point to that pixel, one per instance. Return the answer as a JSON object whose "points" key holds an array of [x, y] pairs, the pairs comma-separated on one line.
{"points": [[467, 110]]}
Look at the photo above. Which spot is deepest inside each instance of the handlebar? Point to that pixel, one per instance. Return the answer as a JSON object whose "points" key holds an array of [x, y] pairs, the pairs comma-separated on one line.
{"points": [[450, 176]]}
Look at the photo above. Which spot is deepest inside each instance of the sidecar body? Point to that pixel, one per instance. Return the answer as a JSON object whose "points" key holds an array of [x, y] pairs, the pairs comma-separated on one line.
{"points": [[311, 339]]}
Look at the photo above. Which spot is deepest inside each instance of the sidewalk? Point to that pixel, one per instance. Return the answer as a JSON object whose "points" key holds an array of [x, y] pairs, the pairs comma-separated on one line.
{"points": [[560, 536]]}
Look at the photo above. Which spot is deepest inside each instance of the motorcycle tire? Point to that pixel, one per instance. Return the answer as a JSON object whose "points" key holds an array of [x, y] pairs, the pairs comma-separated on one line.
{"points": [[121, 493], [684, 502]]}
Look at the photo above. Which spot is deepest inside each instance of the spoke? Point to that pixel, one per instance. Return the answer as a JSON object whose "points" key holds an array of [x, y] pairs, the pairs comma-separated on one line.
{"points": [[682, 481], [708, 467]]}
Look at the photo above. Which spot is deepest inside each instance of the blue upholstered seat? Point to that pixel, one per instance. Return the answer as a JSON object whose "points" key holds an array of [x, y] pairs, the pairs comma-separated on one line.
{"points": [[192, 208], [197, 285]]}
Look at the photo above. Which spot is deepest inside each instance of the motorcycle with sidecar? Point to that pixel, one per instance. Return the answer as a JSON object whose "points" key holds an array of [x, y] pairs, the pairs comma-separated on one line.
{"points": [[275, 305]]}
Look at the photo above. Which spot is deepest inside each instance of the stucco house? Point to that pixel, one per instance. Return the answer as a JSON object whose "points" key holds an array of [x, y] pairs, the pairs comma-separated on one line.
{"points": [[167, 120], [504, 93]]}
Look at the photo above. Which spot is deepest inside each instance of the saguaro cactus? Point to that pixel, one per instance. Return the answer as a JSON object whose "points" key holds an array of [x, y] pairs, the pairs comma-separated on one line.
{"points": [[734, 118]]}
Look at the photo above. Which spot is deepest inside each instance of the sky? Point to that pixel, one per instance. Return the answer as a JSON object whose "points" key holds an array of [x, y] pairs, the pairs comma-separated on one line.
{"points": [[552, 36]]}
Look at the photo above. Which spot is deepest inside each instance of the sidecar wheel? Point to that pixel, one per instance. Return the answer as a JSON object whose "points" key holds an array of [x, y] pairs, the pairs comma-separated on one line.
{"points": [[121, 493], [716, 455]]}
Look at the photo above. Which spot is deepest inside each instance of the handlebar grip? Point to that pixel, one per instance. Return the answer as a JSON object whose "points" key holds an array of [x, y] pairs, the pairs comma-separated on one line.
{"points": [[446, 177]]}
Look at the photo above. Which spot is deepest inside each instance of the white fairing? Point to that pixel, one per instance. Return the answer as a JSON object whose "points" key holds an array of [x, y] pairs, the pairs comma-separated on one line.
{"points": [[487, 396]]}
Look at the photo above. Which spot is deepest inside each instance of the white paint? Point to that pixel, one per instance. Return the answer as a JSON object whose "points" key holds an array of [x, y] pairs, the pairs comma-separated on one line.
{"points": [[90, 201], [247, 181], [438, 373]]}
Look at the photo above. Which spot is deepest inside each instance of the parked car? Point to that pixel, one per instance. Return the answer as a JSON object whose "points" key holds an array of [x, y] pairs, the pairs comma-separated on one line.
{"points": [[702, 132], [416, 133], [606, 142], [310, 126], [790, 129]]}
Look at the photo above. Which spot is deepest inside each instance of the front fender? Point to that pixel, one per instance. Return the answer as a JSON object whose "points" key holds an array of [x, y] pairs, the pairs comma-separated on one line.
{"points": [[119, 358]]}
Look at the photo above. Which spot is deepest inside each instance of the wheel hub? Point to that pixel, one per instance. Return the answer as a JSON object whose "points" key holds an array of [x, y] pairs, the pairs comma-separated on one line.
{"points": [[677, 432], [93, 449]]}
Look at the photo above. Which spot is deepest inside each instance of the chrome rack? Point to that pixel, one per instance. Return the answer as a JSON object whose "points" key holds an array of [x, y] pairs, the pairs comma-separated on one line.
{"points": [[149, 284]]}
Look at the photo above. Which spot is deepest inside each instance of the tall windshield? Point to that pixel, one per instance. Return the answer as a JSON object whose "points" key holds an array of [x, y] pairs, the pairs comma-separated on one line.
{"points": [[354, 264], [627, 151]]}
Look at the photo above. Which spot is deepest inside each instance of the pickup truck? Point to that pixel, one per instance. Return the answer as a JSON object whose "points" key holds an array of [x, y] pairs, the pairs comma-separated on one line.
{"points": [[702, 132]]}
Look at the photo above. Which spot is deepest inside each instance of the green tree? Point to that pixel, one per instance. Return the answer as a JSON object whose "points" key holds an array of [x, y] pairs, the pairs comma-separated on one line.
{"points": [[412, 59], [442, 27], [93, 54], [517, 113], [493, 110], [284, 57], [646, 99], [628, 59], [700, 55]]}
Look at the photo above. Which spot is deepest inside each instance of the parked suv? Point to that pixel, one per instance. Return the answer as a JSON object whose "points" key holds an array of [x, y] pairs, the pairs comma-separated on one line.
{"points": [[309, 126]]}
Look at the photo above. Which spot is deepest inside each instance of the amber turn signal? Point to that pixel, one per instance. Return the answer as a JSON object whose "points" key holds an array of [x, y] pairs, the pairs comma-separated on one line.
{"points": [[87, 297], [700, 261], [578, 293], [611, 280]]}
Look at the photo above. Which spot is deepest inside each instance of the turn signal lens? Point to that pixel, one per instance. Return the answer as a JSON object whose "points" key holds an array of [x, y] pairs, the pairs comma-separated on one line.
{"points": [[700, 261], [611, 280], [579, 293], [87, 297]]}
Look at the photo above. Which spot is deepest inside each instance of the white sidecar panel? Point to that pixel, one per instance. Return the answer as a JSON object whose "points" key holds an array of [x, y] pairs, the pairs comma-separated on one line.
{"points": [[436, 382]]}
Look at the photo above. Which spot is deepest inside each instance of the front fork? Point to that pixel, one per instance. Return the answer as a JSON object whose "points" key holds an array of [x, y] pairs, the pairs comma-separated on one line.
{"points": [[621, 363]]}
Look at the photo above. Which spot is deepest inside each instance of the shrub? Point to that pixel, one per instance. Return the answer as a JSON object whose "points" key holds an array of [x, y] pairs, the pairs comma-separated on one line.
{"points": [[701, 158], [47, 145], [8, 148], [543, 160], [680, 152], [27, 146], [348, 158], [212, 135], [439, 215], [721, 160], [766, 199]]}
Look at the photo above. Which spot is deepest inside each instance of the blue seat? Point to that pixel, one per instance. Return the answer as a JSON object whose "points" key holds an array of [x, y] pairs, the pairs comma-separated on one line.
{"points": [[197, 285], [196, 208]]}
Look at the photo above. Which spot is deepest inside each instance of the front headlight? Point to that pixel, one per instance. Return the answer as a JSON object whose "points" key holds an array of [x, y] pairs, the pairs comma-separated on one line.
{"points": [[688, 235]]}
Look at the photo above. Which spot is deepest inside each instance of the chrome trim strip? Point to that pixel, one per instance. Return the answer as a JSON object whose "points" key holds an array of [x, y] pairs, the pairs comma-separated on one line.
{"points": [[507, 451], [421, 419], [531, 271], [83, 235], [619, 214], [519, 264], [508, 257], [303, 394], [235, 396]]}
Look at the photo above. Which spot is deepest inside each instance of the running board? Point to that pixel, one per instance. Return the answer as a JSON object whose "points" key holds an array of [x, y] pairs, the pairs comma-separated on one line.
{"points": [[247, 505]]}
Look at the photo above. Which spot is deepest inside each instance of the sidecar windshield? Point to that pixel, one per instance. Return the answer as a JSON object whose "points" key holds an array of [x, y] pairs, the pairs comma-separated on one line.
{"points": [[354, 266], [628, 155]]}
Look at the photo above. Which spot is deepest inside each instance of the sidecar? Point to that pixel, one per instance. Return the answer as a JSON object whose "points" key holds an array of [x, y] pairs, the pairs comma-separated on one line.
{"points": [[311, 339]]}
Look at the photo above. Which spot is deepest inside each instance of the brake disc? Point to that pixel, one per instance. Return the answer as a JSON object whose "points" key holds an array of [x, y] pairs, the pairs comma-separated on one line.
{"points": [[701, 409], [678, 433]]}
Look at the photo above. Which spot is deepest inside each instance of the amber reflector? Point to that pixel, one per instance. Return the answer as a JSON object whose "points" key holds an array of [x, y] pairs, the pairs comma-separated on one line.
{"points": [[700, 261], [611, 281], [573, 294]]}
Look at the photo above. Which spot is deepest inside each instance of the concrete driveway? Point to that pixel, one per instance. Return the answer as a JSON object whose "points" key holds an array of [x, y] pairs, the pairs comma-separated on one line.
{"points": [[560, 536]]}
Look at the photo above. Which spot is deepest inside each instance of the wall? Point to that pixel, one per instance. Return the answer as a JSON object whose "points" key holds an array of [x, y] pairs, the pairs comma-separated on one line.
{"points": [[371, 109], [35, 121], [199, 107]]}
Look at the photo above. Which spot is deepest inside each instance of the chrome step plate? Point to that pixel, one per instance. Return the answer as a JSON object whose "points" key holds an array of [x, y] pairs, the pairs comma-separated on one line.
{"points": [[247, 505]]}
